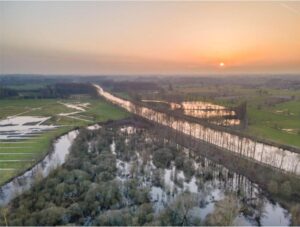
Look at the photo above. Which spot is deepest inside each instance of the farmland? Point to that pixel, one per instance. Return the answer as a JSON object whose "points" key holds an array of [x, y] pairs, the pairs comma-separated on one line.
{"points": [[18, 155], [279, 122], [273, 113]]}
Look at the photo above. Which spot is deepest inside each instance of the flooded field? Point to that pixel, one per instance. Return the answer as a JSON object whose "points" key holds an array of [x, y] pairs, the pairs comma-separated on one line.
{"points": [[213, 113], [28, 127], [42, 169], [264, 153], [208, 182], [126, 169], [22, 127]]}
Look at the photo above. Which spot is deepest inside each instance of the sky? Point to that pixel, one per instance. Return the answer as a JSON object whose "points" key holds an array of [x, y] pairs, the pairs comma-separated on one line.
{"points": [[154, 37]]}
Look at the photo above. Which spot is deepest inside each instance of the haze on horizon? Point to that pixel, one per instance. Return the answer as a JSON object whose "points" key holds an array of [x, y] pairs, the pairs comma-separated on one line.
{"points": [[149, 37]]}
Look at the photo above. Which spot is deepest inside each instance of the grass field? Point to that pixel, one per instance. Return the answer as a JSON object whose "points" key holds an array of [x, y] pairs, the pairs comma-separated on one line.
{"points": [[279, 122], [25, 87], [15, 156]]}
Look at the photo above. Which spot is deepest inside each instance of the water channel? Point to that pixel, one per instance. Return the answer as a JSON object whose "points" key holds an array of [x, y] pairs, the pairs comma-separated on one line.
{"points": [[266, 154]]}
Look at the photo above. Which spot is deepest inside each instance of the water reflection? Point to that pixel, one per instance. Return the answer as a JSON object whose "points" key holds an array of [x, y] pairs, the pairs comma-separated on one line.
{"points": [[210, 183], [215, 114], [260, 152], [21, 127], [42, 169]]}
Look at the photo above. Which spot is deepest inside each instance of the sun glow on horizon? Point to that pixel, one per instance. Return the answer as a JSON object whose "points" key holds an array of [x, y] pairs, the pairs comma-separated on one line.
{"points": [[176, 37]]}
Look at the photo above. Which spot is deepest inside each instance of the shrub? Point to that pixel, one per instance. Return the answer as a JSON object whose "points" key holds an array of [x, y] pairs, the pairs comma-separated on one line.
{"points": [[188, 169], [162, 158], [225, 211], [285, 188], [295, 211], [273, 187]]}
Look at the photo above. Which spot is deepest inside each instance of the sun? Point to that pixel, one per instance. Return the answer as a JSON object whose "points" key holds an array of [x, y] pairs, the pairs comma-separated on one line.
{"points": [[222, 64]]}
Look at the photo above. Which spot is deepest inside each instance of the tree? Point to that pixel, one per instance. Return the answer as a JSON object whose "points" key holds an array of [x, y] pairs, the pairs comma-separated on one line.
{"points": [[51, 216], [286, 189], [225, 211], [273, 187], [179, 212], [162, 157], [3, 212], [295, 211]]}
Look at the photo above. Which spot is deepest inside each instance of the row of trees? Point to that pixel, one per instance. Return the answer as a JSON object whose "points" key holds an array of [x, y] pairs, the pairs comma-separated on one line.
{"points": [[108, 179], [64, 90], [7, 92]]}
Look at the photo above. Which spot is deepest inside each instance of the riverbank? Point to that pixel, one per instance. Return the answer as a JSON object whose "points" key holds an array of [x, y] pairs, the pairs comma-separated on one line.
{"points": [[19, 155], [142, 177], [265, 153], [281, 186]]}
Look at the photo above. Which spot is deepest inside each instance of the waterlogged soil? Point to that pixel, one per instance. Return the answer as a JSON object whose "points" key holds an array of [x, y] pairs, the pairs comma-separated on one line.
{"points": [[204, 110], [188, 172], [125, 175], [266, 153], [20, 184], [22, 127]]}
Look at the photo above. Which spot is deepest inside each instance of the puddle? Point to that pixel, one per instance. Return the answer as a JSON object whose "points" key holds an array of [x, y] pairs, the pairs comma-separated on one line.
{"points": [[22, 127]]}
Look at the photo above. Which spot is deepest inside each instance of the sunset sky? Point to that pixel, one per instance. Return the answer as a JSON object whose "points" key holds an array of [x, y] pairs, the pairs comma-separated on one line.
{"points": [[149, 37]]}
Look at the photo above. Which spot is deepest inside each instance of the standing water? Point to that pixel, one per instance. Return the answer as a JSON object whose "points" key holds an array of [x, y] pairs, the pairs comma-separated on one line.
{"points": [[264, 153], [51, 161], [208, 182]]}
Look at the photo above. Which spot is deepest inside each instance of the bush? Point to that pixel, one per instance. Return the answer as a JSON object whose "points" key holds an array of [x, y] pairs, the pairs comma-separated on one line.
{"points": [[114, 218], [179, 212], [51, 216], [225, 211], [295, 211], [286, 189], [162, 158], [145, 213], [188, 169], [179, 161], [273, 187]]}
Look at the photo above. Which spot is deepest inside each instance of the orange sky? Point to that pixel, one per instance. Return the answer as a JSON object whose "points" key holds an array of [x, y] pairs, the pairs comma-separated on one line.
{"points": [[149, 37]]}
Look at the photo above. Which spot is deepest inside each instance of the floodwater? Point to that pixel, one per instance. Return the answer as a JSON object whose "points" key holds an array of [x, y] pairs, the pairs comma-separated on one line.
{"points": [[215, 114], [208, 190], [207, 110], [22, 127], [210, 184], [51, 161], [203, 109], [260, 152]]}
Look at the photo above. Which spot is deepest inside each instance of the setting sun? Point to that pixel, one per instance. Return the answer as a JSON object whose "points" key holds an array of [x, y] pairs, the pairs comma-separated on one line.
{"points": [[221, 64]]}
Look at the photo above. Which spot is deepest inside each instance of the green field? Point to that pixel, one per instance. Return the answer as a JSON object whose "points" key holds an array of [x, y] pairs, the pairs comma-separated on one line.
{"points": [[280, 123], [277, 122], [16, 156]]}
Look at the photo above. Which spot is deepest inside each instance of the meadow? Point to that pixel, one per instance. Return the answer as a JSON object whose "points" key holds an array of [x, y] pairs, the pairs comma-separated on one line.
{"points": [[272, 113], [18, 155], [279, 122]]}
